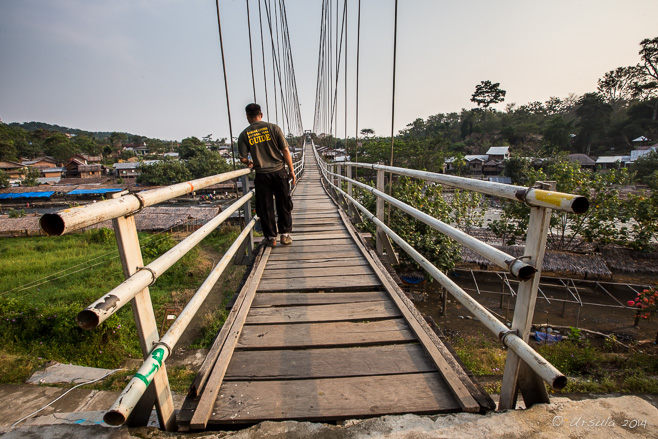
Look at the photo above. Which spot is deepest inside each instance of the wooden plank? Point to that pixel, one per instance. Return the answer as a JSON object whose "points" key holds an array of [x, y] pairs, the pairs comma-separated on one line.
{"points": [[329, 363], [309, 228], [348, 252], [326, 244], [419, 327], [321, 283], [210, 391], [283, 299], [362, 311], [321, 236], [317, 263], [334, 334], [213, 353], [315, 272], [332, 398]]}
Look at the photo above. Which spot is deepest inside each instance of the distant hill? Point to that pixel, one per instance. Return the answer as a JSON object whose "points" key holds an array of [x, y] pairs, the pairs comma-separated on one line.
{"points": [[33, 126]]}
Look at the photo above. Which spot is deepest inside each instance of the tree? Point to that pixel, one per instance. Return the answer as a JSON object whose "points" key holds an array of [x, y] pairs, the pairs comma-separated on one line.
{"points": [[619, 84], [487, 93], [645, 167], [647, 72], [558, 132], [59, 147], [367, 132], [191, 147], [31, 177], [206, 164], [87, 144], [4, 180], [518, 169], [163, 173], [594, 115]]}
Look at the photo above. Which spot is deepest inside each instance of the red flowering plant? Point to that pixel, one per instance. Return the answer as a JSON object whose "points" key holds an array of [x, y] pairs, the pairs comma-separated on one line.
{"points": [[646, 304]]}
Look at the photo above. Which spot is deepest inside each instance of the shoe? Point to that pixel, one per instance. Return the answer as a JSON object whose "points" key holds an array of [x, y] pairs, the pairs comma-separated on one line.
{"points": [[270, 242], [286, 239]]}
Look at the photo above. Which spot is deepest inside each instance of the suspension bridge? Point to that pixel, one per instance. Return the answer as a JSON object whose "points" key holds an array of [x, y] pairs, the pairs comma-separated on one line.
{"points": [[320, 330]]}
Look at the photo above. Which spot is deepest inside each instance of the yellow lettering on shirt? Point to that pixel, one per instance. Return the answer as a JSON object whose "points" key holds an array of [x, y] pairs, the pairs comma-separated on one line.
{"points": [[259, 136]]}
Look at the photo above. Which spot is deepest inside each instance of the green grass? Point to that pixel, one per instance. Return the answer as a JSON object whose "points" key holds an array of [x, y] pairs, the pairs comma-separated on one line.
{"points": [[46, 281], [589, 368]]}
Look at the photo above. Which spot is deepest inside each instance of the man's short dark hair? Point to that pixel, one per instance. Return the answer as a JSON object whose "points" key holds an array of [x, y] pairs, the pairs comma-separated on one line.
{"points": [[253, 110]]}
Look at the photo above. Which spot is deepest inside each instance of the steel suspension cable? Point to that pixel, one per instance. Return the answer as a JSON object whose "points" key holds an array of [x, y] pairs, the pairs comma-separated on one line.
{"points": [[356, 128], [251, 54], [395, 44], [228, 105], [262, 48]]}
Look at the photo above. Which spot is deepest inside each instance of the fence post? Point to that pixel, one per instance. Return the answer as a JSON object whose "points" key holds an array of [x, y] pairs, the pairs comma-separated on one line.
{"points": [[379, 212], [247, 216], [158, 392], [517, 375], [348, 174]]}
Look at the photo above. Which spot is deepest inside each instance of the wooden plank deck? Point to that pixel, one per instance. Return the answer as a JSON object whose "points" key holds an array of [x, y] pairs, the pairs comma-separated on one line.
{"points": [[326, 336]]}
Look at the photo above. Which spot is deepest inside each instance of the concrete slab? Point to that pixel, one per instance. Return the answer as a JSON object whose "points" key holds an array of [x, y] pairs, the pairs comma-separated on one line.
{"points": [[56, 373], [619, 417]]}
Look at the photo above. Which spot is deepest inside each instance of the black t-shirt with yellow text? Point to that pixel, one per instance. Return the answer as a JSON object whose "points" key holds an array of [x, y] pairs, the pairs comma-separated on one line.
{"points": [[264, 141]]}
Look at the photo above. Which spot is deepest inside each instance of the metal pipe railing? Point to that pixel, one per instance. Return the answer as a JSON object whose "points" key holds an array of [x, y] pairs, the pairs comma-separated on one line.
{"points": [[128, 399], [517, 267], [110, 303], [69, 220], [539, 364], [530, 196]]}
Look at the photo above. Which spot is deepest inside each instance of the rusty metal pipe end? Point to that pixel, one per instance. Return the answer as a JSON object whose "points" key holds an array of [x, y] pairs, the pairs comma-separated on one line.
{"points": [[114, 417], [52, 224], [580, 205], [527, 272], [560, 382], [87, 319]]}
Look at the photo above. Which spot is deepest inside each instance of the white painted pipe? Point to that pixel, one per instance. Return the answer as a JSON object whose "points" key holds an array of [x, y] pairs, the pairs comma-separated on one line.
{"points": [[75, 218], [517, 267], [133, 392], [110, 303], [538, 363], [531, 196]]}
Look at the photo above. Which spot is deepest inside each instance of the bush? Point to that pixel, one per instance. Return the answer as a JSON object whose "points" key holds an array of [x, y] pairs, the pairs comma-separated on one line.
{"points": [[100, 236]]}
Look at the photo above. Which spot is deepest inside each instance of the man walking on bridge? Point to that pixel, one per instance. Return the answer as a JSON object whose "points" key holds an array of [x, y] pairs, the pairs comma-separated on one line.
{"points": [[269, 154]]}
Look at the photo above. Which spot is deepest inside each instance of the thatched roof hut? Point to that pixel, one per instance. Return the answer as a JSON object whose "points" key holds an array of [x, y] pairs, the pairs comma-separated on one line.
{"points": [[151, 219], [633, 262], [565, 264]]}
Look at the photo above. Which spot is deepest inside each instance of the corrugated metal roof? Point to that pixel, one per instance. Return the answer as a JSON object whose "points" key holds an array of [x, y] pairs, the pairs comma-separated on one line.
{"points": [[93, 191], [609, 159], [15, 195], [498, 150]]}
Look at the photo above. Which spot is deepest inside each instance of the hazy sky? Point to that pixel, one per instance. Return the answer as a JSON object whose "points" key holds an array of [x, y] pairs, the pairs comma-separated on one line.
{"points": [[153, 67]]}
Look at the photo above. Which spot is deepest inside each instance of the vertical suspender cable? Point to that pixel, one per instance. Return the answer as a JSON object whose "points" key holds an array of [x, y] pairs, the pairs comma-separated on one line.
{"points": [[346, 149], [251, 54], [262, 49], [356, 128], [395, 44], [228, 106]]}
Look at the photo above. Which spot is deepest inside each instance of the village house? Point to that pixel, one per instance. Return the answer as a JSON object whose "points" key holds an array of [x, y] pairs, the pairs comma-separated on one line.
{"points": [[612, 162], [79, 167], [583, 160], [643, 150], [498, 153], [476, 163], [13, 170]]}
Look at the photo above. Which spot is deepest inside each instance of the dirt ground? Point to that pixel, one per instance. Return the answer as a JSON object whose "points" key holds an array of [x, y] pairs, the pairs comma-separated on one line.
{"points": [[552, 312]]}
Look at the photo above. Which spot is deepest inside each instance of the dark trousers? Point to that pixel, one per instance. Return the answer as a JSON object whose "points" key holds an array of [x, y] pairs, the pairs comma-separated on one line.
{"points": [[270, 189]]}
